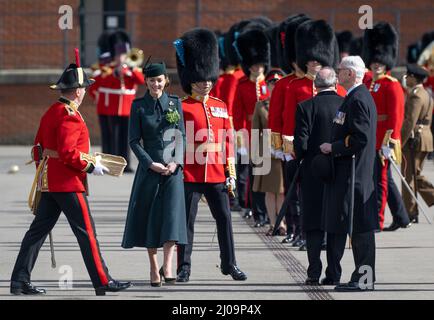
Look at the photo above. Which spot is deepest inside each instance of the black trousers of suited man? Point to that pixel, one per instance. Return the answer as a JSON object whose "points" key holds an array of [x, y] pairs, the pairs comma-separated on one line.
{"points": [[76, 209], [363, 246], [114, 136], [218, 201]]}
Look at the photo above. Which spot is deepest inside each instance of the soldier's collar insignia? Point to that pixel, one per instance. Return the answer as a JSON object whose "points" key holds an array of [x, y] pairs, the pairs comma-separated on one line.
{"points": [[200, 98], [69, 103]]}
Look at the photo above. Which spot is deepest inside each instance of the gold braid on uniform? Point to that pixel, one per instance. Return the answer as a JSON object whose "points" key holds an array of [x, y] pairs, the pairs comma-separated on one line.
{"points": [[230, 167]]}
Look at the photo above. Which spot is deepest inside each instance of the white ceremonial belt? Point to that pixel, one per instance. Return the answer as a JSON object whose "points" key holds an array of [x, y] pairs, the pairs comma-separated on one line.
{"points": [[108, 91]]}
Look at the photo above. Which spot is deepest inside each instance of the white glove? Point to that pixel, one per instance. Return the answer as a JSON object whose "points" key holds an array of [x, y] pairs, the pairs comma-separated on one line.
{"points": [[230, 181], [386, 151], [99, 168], [288, 157], [242, 151], [278, 154]]}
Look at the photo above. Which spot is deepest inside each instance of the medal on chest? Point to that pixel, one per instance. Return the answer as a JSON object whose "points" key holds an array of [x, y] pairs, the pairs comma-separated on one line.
{"points": [[339, 118], [219, 112]]}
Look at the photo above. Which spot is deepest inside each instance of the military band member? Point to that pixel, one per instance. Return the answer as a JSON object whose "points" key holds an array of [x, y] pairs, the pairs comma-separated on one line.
{"points": [[209, 166], [114, 91], [417, 139], [62, 154], [380, 47], [353, 133]]}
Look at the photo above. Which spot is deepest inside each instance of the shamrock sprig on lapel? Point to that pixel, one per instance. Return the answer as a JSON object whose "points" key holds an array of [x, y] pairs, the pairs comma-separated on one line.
{"points": [[172, 115]]}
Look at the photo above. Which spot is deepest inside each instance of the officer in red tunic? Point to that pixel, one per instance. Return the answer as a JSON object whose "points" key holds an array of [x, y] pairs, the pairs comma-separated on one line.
{"points": [[114, 91], [380, 49], [62, 154], [209, 166]]}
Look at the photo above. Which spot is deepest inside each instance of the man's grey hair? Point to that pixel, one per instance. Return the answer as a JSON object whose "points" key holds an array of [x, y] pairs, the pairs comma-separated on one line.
{"points": [[354, 63], [326, 78]]}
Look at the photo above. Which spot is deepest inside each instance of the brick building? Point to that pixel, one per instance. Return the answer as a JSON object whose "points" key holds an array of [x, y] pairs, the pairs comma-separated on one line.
{"points": [[33, 48]]}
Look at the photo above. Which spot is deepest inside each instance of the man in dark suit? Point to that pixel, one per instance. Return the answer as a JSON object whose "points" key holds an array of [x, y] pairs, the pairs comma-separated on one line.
{"points": [[353, 134], [313, 127]]}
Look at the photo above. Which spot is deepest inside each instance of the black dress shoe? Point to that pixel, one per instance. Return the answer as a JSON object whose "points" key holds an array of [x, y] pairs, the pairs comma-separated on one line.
{"points": [[21, 287], [414, 219], [303, 247], [311, 282], [248, 214], [235, 273], [329, 282], [112, 286], [236, 208], [289, 238], [352, 287], [166, 280], [298, 242], [128, 170], [183, 275], [395, 226]]}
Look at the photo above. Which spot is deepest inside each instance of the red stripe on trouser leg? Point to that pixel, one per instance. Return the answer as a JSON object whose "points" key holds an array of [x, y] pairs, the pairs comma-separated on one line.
{"points": [[93, 245], [383, 189]]}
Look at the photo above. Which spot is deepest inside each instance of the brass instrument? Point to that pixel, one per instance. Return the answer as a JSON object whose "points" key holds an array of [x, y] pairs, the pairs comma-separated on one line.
{"points": [[135, 58]]}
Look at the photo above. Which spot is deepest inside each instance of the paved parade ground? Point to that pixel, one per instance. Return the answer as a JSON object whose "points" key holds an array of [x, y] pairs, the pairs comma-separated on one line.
{"points": [[405, 258]]}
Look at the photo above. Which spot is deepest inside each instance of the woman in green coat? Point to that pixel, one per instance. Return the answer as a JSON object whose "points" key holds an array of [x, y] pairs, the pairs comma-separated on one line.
{"points": [[156, 213]]}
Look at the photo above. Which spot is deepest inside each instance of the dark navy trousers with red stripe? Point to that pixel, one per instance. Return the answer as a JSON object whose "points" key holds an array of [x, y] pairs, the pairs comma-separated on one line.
{"points": [[76, 209]]}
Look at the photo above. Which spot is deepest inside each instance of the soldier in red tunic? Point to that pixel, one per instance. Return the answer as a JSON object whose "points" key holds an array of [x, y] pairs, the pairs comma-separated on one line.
{"points": [[380, 48], [114, 91], [209, 166], [254, 49], [316, 47], [277, 101], [62, 154]]}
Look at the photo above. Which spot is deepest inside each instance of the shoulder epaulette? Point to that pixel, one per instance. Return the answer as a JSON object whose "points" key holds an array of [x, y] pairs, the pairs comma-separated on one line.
{"points": [[288, 75], [70, 110], [390, 78], [217, 99]]}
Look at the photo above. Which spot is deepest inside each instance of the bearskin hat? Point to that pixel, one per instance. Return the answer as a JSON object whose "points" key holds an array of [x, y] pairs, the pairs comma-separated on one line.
{"points": [[223, 59], [230, 37], [197, 57], [289, 54], [344, 41], [103, 42], [254, 47], [356, 46], [118, 38], [380, 44], [273, 36], [316, 41]]}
